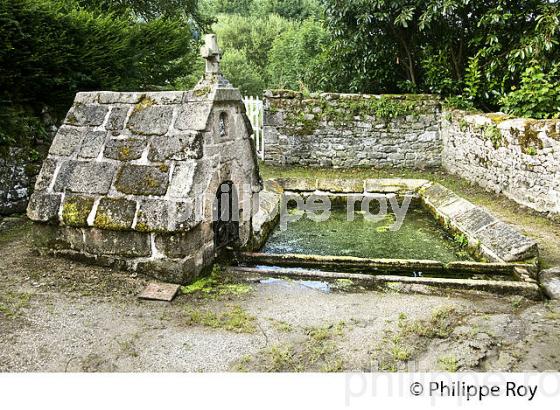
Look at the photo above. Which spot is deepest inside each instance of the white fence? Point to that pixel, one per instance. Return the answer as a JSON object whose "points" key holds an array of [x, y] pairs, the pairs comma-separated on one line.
{"points": [[254, 107]]}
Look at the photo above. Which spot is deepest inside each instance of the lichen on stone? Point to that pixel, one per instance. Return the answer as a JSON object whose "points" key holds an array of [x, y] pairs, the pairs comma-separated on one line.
{"points": [[144, 103], [493, 133], [529, 140], [202, 92], [76, 209]]}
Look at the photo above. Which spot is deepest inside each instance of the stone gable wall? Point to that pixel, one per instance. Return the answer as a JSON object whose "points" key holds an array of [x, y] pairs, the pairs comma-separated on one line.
{"points": [[517, 157], [131, 178], [351, 130]]}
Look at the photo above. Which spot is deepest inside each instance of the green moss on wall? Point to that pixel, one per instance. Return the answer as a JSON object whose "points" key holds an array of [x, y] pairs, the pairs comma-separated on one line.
{"points": [[305, 116], [493, 133], [75, 210], [144, 103], [529, 140]]}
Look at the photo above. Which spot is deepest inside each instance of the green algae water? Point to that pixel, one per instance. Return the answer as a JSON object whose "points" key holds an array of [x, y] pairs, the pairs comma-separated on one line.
{"points": [[420, 237]]}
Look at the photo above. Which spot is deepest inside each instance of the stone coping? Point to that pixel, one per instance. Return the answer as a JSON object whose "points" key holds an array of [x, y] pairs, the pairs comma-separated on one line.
{"points": [[487, 236], [528, 290], [381, 265], [349, 186]]}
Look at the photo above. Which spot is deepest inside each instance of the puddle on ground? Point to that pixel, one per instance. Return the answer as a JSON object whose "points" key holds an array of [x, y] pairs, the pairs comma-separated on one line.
{"points": [[324, 287], [420, 237]]}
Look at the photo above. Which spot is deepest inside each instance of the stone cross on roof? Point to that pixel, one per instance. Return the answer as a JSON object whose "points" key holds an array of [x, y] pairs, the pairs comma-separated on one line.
{"points": [[211, 53]]}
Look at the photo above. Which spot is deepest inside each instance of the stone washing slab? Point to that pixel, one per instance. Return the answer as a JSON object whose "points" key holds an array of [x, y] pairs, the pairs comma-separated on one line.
{"points": [[457, 208], [340, 185], [394, 185], [508, 244], [497, 241], [438, 196], [474, 219]]}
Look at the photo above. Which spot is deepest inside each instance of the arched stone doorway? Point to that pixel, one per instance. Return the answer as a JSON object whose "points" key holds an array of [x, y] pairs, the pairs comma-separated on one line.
{"points": [[225, 220]]}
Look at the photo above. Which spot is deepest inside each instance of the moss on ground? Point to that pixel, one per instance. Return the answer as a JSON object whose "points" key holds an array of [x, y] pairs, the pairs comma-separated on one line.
{"points": [[401, 344], [448, 364], [12, 303], [318, 351], [234, 319], [18, 231], [216, 286]]}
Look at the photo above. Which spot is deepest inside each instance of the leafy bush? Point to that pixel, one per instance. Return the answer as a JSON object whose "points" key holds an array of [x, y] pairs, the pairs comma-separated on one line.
{"points": [[253, 36], [299, 45], [289, 9], [242, 73], [49, 50], [537, 97]]}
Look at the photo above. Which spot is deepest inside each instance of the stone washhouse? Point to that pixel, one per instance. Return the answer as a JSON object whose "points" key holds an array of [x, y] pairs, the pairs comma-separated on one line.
{"points": [[135, 180]]}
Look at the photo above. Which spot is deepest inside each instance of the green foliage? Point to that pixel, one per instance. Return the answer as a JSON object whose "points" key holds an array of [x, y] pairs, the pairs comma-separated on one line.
{"points": [[458, 102], [299, 45], [147, 9], [289, 9], [538, 95], [472, 79], [492, 133], [479, 48], [52, 49], [254, 35], [345, 111], [242, 73]]}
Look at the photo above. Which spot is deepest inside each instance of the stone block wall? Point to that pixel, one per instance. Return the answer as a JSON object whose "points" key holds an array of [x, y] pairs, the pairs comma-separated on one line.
{"points": [[18, 171], [517, 157], [131, 179], [352, 130]]}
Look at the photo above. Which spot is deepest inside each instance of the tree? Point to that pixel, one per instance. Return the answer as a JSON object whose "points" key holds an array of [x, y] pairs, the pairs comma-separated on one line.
{"points": [[253, 36], [242, 73], [148, 9], [300, 45], [479, 48]]}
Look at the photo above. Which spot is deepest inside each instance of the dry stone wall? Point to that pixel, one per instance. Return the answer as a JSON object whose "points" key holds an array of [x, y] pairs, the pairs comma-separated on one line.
{"points": [[17, 176], [517, 157], [352, 130]]}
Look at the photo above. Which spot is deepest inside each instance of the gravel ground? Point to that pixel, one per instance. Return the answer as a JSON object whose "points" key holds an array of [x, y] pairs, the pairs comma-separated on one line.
{"points": [[58, 315]]}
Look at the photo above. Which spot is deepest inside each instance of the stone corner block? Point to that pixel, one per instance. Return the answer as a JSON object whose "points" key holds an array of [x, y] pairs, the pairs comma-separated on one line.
{"points": [[44, 207]]}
